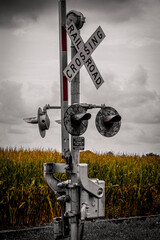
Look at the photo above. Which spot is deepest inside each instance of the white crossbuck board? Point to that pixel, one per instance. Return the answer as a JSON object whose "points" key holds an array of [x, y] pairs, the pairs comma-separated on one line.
{"points": [[83, 56]]}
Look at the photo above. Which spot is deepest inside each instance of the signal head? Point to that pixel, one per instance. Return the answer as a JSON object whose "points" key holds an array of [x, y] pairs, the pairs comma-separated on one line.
{"points": [[76, 17], [76, 120], [108, 121], [43, 122]]}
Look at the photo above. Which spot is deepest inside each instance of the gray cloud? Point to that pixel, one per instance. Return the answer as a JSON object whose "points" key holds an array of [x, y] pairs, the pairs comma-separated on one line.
{"points": [[19, 6], [115, 11], [12, 105], [14, 130], [12, 11], [112, 10], [148, 137]]}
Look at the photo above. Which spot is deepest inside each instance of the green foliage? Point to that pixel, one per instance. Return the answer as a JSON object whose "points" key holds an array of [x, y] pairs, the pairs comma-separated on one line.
{"points": [[25, 198], [132, 185]]}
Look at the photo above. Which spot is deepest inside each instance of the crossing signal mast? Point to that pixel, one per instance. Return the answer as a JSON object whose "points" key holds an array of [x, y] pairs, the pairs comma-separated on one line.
{"points": [[81, 198]]}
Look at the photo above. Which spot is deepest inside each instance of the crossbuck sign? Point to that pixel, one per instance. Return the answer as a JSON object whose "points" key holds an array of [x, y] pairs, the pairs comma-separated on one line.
{"points": [[83, 56]]}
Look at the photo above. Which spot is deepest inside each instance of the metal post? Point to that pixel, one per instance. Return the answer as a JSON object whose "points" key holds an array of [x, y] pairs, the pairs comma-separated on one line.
{"points": [[75, 98], [73, 189], [75, 91], [63, 79]]}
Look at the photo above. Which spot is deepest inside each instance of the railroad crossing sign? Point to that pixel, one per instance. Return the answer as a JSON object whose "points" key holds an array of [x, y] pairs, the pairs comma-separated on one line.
{"points": [[83, 56]]}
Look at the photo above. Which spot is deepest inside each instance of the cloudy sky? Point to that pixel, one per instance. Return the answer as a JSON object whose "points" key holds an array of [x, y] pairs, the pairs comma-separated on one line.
{"points": [[128, 59]]}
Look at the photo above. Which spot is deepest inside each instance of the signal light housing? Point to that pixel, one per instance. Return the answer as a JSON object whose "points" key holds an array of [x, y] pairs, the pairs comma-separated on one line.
{"points": [[108, 121], [76, 120], [43, 122], [76, 17]]}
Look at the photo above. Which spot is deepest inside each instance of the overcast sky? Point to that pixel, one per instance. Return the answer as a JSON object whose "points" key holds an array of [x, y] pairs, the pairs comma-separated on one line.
{"points": [[128, 59]]}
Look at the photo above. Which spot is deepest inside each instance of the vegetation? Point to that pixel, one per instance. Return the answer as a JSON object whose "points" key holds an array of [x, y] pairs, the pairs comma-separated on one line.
{"points": [[132, 185]]}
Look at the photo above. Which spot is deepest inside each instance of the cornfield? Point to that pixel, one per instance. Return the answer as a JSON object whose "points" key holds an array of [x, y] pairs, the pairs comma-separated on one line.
{"points": [[132, 185]]}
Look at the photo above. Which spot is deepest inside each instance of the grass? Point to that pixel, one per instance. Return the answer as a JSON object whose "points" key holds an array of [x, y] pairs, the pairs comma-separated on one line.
{"points": [[132, 185]]}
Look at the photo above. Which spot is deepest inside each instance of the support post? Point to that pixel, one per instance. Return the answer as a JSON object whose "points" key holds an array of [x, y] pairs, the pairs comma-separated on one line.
{"points": [[63, 79], [75, 98]]}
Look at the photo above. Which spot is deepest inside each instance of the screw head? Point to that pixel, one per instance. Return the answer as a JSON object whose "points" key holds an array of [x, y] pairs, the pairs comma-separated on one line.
{"points": [[100, 191]]}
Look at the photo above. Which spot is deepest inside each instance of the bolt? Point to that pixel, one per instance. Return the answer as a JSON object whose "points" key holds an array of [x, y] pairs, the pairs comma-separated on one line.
{"points": [[100, 191]]}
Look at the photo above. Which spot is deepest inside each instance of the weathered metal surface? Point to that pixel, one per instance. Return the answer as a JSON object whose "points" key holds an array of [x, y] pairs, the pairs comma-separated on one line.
{"points": [[95, 206], [73, 126], [76, 17], [108, 121]]}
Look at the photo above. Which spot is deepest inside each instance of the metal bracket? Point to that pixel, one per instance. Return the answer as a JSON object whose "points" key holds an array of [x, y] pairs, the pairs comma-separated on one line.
{"points": [[49, 170], [88, 184]]}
